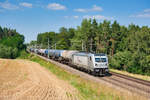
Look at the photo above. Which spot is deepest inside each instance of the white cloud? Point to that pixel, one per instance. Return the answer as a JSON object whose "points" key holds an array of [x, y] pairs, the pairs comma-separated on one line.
{"points": [[144, 14], [66, 16], [98, 17], [76, 17], [8, 6], [93, 9], [96, 8], [25, 4], [80, 10], [141, 16], [147, 10], [56, 6]]}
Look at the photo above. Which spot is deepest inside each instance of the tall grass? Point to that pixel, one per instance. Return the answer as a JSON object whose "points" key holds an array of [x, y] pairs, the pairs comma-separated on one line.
{"points": [[23, 55]]}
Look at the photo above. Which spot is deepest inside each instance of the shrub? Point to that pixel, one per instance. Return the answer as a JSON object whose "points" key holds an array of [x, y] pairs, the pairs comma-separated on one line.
{"points": [[121, 60], [8, 52]]}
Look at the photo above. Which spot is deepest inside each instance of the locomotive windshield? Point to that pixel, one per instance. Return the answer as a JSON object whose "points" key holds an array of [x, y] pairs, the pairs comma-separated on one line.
{"points": [[100, 59]]}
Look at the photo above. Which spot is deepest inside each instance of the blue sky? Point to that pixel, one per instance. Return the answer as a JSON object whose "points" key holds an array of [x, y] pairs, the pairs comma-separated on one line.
{"points": [[30, 17]]}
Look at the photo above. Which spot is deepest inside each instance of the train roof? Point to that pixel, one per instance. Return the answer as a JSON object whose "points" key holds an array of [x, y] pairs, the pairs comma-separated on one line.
{"points": [[83, 54], [54, 50], [90, 54], [100, 54]]}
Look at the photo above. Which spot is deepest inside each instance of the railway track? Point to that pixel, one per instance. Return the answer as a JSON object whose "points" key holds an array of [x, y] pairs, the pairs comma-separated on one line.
{"points": [[129, 83], [140, 81], [133, 84]]}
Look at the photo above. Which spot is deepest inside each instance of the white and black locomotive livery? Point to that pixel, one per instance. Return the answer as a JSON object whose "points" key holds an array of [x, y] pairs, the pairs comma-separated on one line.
{"points": [[96, 64]]}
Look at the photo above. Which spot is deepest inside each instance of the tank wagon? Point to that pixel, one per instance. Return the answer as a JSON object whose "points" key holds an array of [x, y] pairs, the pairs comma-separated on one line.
{"points": [[54, 54], [41, 52], [58, 54], [36, 51], [67, 56], [96, 64], [31, 50]]}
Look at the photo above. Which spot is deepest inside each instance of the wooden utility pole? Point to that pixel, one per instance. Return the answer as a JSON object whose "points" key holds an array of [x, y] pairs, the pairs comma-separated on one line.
{"points": [[82, 46], [48, 47], [55, 46], [91, 45]]}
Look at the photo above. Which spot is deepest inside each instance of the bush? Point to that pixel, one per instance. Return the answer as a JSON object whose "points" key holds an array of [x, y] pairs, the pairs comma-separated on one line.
{"points": [[10, 47], [137, 63], [8, 52], [121, 60]]}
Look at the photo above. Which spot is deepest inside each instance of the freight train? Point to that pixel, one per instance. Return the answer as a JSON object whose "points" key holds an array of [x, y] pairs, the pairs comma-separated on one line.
{"points": [[96, 64]]}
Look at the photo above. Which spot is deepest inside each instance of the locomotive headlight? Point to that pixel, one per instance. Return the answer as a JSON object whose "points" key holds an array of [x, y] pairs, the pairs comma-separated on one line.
{"points": [[95, 64]]}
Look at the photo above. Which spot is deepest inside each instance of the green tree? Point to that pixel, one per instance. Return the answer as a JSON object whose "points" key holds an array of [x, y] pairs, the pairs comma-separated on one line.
{"points": [[11, 43], [103, 37]]}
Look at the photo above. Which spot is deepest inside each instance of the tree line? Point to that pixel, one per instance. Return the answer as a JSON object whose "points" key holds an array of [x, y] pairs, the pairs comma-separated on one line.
{"points": [[128, 47], [11, 43]]}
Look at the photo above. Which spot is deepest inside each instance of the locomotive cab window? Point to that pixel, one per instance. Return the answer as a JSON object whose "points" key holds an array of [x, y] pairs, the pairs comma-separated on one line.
{"points": [[100, 59], [103, 59], [97, 60]]}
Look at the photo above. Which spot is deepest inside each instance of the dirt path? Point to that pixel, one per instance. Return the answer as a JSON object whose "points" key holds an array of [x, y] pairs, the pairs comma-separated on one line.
{"points": [[25, 80]]}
